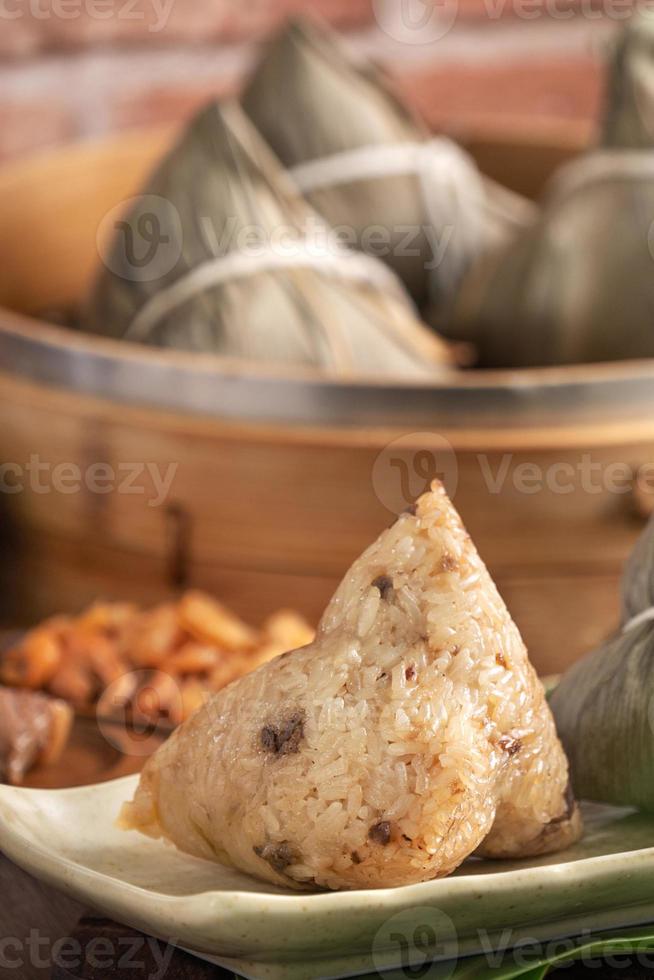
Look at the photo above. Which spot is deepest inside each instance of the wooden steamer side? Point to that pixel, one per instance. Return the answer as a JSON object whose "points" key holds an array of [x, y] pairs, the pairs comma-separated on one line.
{"points": [[271, 514]]}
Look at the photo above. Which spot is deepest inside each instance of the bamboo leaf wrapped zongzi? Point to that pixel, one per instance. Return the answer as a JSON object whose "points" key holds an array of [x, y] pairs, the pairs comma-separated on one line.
{"points": [[604, 705], [235, 263], [578, 285], [370, 168]]}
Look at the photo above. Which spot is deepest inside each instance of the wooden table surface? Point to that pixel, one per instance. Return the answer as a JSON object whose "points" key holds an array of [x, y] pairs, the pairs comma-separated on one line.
{"points": [[30, 909], [46, 936]]}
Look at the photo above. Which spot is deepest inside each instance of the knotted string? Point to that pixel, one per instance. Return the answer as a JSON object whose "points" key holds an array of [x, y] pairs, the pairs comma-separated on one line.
{"points": [[450, 185], [452, 193], [332, 260]]}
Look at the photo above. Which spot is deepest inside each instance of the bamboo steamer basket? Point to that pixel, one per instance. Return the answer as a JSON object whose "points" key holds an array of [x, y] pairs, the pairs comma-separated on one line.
{"points": [[280, 477]]}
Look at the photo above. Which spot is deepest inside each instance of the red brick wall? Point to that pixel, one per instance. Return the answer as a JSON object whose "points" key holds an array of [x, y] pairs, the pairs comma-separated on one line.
{"points": [[74, 68]]}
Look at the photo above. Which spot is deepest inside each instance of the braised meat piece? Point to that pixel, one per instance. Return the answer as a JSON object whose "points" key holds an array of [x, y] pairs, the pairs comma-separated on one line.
{"points": [[33, 729]]}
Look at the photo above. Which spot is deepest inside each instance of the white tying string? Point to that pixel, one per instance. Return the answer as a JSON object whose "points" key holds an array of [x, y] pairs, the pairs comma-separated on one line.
{"points": [[330, 259], [450, 184], [598, 166], [452, 192], [378, 160], [646, 616]]}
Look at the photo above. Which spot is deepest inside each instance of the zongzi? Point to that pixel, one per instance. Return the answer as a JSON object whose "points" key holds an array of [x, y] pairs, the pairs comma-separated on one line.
{"points": [[411, 733], [369, 166], [578, 286], [233, 262], [604, 705]]}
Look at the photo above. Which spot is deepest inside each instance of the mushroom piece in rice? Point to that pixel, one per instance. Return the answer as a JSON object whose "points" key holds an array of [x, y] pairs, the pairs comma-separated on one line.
{"points": [[411, 733]]}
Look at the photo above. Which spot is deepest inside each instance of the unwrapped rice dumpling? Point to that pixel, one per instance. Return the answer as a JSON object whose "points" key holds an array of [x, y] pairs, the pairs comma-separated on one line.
{"points": [[411, 733], [369, 166], [604, 705], [220, 254], [578, 286]]}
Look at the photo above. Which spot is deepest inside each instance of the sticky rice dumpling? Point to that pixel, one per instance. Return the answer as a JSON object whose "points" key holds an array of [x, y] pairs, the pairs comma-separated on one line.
{"points": [[369, 166], [628, 122], [578, 286], [604, 705], [219, 254], [411, 733]]}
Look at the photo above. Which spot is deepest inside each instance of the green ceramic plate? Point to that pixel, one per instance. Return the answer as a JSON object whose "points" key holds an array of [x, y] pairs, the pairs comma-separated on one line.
{"points": [[68, 838]]}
